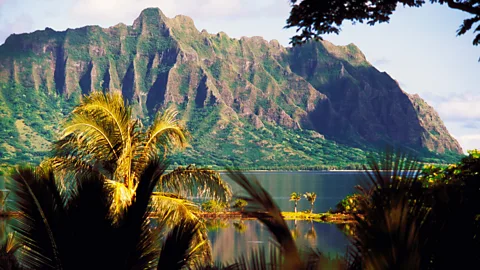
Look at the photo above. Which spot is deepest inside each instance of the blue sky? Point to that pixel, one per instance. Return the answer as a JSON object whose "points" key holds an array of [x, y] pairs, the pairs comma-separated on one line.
{"points": [[418, 48]]}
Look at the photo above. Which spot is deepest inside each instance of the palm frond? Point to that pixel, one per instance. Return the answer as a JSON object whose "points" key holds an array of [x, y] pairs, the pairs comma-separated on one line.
{"points": [[69, 169], [181, 209], [179, 248], [164, 131], [314, 259], [88, 235], [178, 205], [97, 131], [39, 201], [389, 234], [121, 197], [193, 181], [201, 265], [261, 206], [108, 108], [141, 249], [8, 260], [125, 164], [259, 259], [93, 135], [67, 161]]}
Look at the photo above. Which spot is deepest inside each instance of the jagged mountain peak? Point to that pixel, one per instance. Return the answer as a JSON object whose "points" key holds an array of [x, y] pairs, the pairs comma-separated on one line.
{"points": [[237, 92], [153, 13]]}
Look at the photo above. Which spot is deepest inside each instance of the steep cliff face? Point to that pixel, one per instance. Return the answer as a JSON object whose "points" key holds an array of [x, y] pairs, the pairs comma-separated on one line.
{"points": [[370, 106], [233, 92]]}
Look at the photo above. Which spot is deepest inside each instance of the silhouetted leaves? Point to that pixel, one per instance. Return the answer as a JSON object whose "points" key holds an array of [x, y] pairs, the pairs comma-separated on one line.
{"points": [[314, 18]]}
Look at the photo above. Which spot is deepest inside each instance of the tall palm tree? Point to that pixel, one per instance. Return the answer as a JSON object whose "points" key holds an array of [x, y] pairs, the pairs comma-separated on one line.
{"points": [[311, 197], [102, 135], [295, 197]]}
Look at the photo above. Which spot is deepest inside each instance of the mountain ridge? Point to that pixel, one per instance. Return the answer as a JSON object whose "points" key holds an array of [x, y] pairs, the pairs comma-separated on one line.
{"points": [[158, 62]]}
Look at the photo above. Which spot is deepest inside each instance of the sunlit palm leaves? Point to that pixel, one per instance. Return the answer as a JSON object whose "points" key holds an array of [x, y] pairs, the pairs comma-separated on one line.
{"points": [[101, 135], [190, 181], [180, 207], [177, 251], [295, 197], [310, 197]]}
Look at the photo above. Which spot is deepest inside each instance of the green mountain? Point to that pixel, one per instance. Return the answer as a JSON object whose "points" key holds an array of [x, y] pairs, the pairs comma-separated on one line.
{"points": [[247, 102]]}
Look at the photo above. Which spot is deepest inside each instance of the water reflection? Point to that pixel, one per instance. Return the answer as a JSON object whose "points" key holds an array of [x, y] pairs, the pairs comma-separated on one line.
{"points": [[241, 237], [240, 226]]}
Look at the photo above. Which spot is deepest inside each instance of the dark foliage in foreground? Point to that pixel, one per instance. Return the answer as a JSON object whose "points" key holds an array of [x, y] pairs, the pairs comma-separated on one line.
{"points": [[74, 229], [407, 224]]}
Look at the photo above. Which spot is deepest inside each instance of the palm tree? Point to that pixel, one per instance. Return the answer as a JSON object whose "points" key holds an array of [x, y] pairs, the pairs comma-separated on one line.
{"points": [[73, 228], [311, 197], [295, 197], [102, 135]]}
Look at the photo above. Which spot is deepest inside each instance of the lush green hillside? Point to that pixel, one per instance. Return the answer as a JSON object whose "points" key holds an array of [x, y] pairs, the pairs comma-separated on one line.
{"points": [[248, 102]]}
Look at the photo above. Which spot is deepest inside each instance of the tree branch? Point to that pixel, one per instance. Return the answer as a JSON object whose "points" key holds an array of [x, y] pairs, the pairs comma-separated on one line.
{"points": [[463, 7]]}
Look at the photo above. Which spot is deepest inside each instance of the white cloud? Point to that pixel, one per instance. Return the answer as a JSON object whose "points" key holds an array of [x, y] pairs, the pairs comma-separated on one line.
{"points": [[206, 9], [469, 142], [460, 108]]}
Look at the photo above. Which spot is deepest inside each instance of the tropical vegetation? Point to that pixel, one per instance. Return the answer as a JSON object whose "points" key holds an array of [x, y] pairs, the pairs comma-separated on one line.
{"points": [[295, 198], [239, 204], [214, 206], [310, 197]]}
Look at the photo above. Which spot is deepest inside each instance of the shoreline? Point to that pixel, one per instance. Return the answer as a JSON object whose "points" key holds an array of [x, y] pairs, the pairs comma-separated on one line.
{"points": [[333, 218], [289, 171]]}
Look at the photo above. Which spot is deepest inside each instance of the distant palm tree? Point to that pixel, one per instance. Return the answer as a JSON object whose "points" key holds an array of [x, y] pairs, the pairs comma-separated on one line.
{"points": [[311, 197], [102, 135], [295, 197]]}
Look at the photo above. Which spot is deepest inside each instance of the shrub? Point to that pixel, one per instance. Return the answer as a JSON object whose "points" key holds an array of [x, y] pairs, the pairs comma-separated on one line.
{"points": [[213, 206]]}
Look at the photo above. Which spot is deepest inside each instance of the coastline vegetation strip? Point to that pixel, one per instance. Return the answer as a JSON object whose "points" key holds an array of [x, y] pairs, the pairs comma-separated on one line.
{"points": [[301, 216]]}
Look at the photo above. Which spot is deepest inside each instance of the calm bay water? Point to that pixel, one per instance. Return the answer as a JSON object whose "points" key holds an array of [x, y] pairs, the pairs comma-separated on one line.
{"points": [[231, 239]]}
